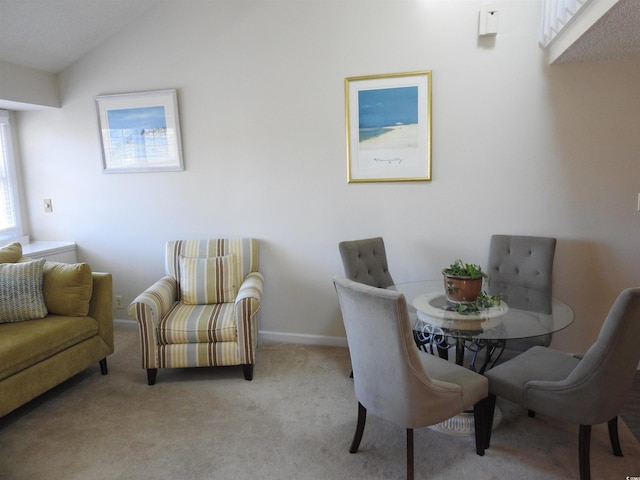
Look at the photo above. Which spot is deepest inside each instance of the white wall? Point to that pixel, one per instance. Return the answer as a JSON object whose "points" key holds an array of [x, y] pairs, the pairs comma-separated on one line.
{"points": [[518, 147]]}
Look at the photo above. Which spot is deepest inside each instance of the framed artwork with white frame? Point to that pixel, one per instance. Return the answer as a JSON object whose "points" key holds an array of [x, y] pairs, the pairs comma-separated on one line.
{"points": [[140, 132]]}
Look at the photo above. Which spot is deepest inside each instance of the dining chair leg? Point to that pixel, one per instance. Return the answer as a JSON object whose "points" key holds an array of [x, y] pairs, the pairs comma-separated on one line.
{"points": [[613, 436], [584, 445], [491, 408], [480, 419], [409, 453], [362, 418]]}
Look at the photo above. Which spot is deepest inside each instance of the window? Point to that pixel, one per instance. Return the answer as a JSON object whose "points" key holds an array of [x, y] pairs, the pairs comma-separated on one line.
{"points": [[10, 219]]}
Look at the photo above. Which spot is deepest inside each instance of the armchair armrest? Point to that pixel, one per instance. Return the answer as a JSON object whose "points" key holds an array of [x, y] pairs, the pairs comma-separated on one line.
{"points": [[247, 305], [154, 303], [251, 287], [148, 309]]}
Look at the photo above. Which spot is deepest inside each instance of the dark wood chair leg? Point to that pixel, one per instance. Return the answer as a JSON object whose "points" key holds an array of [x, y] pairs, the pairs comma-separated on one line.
{"points": [[152, 373], [247, 368], [613, 436], [491, 408], [103, 366], [480, 419], [409, 453], [362, 418], [584, 445]]}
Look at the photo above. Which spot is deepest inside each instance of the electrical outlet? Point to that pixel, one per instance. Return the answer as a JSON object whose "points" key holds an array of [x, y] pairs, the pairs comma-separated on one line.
{"points": [[48, 207], [118, 299]]}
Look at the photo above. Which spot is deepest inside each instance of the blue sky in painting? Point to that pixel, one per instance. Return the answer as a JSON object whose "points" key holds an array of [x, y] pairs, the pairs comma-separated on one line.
{"points": [[385, 107], [137, 118]]}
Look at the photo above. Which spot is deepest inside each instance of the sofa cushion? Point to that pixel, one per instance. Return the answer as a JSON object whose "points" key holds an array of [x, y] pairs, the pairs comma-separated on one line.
{"points": [[67, 288], [23, 344], [11, 253], [206, 281], [21, 291]]}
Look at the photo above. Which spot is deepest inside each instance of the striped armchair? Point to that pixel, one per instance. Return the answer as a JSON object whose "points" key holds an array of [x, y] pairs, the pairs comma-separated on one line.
{"points": [[202, 313]]}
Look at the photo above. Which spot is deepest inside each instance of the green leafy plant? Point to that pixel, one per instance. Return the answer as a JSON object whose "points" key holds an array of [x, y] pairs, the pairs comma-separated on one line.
{"points": [[483, 302], [471, 271], [461, 269]]}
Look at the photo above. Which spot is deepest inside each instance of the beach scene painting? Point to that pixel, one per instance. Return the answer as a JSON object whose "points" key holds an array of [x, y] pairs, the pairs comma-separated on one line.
{"points": [[389, 127], [388, 119], [139, 132]]}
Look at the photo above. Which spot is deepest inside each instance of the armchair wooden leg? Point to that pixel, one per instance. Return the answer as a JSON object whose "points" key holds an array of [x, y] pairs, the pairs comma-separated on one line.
{"points": [[491, 408], [247, 368], [152, 373], [103, 366], [481, 419], [362, 418], [613, 436], [584, 446], [409, 453]]}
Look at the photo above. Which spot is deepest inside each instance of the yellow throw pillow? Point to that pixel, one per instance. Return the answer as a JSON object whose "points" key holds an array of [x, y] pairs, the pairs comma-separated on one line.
{"points": [[204, 281], [67, 288], [11, 253]]}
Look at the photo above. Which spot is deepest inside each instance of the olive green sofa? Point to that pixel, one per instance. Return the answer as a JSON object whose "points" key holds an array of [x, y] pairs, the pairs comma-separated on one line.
{"points": [[76, 331]]}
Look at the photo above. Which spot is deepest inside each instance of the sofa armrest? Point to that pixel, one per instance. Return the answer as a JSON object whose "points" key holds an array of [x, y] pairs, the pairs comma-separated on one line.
{"points": [[101, 305]]}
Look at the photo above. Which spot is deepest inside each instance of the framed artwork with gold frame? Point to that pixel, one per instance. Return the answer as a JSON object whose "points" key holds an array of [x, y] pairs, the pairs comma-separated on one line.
{"points": [[388, 127]]}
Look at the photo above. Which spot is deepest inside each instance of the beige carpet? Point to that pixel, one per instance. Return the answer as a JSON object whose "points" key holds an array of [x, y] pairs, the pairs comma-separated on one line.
{"points": [[295, 420]]}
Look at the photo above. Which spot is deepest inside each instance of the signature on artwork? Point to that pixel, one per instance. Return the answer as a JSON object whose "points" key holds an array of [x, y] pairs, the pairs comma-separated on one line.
{"points": [[390, 161]]}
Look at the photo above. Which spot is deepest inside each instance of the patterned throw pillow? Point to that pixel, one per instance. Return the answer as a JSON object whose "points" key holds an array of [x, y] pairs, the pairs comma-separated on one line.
{"points": [[21, 291], [205, 281]]}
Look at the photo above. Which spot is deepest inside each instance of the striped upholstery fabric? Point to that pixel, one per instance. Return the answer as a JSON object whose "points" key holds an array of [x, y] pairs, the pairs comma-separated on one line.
{"points": [[204, 281], [199, 324], [175, 334]]}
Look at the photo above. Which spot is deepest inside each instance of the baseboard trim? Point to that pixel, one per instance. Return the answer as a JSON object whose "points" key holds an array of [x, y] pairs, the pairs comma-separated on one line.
{"points": [[269, 337], [265, 336]]}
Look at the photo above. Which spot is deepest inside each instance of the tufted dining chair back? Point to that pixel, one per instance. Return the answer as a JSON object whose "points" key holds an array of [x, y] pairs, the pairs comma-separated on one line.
{"points": [[365, 261], [520, 269]]}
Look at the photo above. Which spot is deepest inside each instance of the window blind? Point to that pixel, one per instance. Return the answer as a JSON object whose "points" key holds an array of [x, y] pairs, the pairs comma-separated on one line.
{"points": [[9, 208]]}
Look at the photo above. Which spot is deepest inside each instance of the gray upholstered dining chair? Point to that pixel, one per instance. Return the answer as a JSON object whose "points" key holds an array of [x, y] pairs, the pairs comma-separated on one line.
{"points": [[520, 269], [589, 390], [365, 261], [391, 379]]}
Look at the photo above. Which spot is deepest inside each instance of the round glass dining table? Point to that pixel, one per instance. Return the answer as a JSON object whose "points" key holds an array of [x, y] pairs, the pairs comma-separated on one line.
{"points": [[438, 324]]}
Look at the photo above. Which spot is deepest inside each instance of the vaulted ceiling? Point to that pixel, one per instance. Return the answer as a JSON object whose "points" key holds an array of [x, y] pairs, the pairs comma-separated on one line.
{"points": [[50, 35]]}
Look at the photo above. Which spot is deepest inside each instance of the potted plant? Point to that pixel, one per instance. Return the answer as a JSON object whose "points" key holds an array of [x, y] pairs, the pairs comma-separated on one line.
{"points": [[463, 282]]}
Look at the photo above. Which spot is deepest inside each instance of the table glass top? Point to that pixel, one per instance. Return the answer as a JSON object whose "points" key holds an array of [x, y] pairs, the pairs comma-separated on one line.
{"points": [[427, 306]]}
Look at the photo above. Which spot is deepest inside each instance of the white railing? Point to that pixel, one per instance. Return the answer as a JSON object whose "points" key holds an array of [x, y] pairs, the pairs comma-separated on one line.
{"points": [[556, 14]]}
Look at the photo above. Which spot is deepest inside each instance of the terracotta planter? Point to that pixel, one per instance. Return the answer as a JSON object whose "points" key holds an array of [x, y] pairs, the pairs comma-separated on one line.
{"points": [[462, 289]]}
